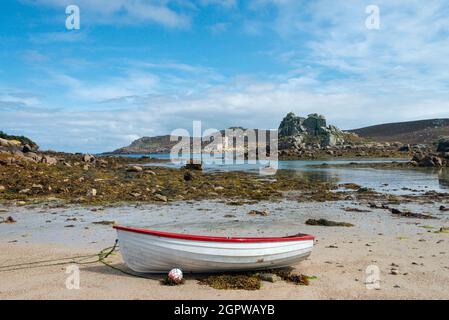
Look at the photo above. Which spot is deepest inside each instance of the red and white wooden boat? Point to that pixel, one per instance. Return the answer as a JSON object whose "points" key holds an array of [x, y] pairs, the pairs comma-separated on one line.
{"points": [[150, 251]]}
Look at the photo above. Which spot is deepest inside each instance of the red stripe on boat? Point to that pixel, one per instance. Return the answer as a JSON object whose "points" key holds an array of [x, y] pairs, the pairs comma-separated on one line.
{"points": [[301, 237]]}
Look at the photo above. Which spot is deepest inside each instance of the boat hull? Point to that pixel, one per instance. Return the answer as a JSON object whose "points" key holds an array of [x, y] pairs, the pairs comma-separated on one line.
{"points": [[148, 253]]}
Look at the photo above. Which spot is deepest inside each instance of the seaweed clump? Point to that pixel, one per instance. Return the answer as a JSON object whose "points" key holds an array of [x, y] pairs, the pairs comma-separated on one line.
{"points": [[253, 281], [288, 275], [233, 281], [327, 223]]}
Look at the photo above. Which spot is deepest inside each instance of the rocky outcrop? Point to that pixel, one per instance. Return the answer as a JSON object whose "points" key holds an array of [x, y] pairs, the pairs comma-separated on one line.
{"points": [[17, 142], [18, 150], [298, 132], [433, 159]]}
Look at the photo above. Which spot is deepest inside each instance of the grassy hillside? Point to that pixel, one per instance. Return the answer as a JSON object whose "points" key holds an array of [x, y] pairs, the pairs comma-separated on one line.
{"points": [[421, 131]]}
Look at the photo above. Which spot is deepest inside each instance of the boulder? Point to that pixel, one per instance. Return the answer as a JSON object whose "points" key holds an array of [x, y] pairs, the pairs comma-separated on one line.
{"points": [[9, 143], [404, 148], [160, 197], [49, 160], [88, 158], [134, 169], [315, 124], [26, 148], [437, 161], [427, 161], [443, 144], [291, 125], [33, 156]]}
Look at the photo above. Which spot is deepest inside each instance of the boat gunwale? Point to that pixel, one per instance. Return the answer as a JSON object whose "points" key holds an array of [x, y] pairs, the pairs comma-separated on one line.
{"points": [[164, 234]]}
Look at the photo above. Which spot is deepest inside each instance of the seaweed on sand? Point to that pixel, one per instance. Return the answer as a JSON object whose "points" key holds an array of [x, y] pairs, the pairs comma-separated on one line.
{"points": [[248, 281], [327, 223], [288, 275], [252, 280]]}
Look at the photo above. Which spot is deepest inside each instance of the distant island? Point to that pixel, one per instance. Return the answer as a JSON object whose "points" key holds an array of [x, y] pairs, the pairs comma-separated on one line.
{"points": [[312, 137]]}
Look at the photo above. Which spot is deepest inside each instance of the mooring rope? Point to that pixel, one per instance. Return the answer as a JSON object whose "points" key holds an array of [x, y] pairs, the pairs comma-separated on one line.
{"points": [[81, 259]]}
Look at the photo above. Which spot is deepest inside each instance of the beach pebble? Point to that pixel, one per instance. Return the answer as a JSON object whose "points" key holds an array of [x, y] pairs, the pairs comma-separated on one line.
{"points": [[270, 277]]}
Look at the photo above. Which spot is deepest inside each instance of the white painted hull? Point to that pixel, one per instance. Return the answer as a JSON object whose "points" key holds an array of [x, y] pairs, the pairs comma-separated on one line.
{"points": [[149, 253]]}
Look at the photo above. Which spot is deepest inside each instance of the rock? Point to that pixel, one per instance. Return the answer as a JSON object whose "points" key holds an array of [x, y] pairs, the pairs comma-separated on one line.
{"points": [[4, 143], [404, 148], [394, 272], [37, 187], [32, 156], [23, 191], [328, 223], [427, 161], [442, 208], [88, 158], [219, 188], [270, 277], [92, 193], [26, 148], [150, 172], [297, 132], [188, 176], [263, 213], [102, 162], [104, 222], [9, 143], [160, 197], [418, 157], [134, 169], [193, 166], [437, 161], [8, 220], [86, 167], [49, 160], [443, 144], [2, 188]]}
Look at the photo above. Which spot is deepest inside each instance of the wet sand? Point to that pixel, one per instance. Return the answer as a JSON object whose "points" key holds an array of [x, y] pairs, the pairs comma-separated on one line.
{"points": [[339, 260]]}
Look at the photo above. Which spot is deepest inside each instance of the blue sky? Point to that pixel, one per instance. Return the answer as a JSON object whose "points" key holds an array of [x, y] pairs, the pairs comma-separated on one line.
{"points": [[140, 68]]}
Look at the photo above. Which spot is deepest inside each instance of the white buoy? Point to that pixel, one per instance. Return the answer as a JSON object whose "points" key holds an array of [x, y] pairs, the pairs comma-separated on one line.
{"points": [[175, 276]]}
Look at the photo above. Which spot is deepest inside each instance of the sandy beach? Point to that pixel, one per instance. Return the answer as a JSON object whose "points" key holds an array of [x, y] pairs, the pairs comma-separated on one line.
{"points": [[339, 261]]}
